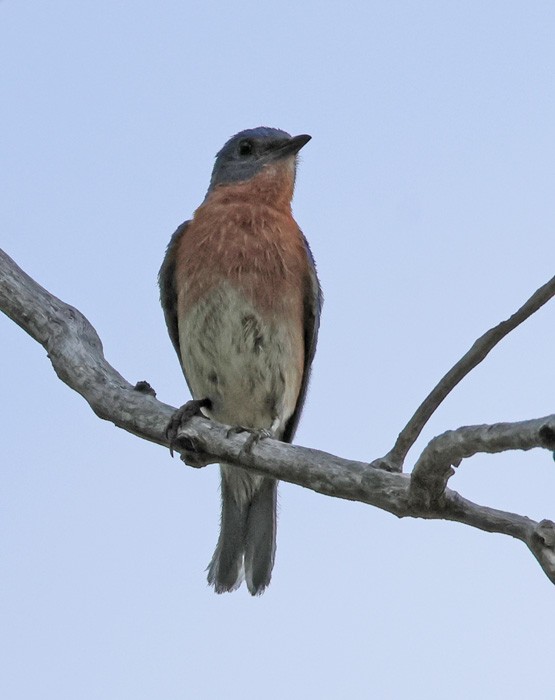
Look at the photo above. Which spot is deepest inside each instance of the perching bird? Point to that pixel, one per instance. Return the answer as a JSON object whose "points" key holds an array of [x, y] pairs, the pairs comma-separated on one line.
{"points": [[242, 304]]}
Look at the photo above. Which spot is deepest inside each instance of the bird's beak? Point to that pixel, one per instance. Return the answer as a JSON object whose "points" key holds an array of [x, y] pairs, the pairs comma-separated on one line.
{"points": [[292, 146]]}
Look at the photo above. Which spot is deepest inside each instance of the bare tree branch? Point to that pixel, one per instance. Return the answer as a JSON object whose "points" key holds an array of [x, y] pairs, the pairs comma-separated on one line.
{"points": [[75, 351], [435, 465], [479, 350]]}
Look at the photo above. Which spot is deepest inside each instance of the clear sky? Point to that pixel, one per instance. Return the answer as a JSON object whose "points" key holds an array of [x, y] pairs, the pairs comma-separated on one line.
{"points": [[427, 194]]}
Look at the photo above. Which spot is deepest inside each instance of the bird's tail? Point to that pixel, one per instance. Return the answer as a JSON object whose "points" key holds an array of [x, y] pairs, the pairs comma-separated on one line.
{"points": [[247, 543]]}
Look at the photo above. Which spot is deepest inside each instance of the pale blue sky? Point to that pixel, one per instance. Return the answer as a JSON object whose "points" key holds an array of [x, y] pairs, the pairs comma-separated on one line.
{"points": [[427, 194]]}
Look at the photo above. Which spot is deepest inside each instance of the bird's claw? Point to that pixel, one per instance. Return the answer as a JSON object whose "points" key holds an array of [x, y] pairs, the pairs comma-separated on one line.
{"points": [[182, 416], [255, 435]]}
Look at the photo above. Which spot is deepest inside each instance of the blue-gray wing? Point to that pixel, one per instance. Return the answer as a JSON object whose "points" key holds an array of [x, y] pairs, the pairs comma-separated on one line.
{"points": [[313, 300], [168, 289]]}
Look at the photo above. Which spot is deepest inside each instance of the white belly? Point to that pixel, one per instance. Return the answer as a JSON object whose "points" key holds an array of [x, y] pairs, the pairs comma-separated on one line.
{"points": [[249, 365]]}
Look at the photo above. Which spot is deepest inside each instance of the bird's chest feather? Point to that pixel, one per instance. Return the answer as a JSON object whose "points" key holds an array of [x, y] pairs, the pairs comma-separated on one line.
{"points": [[241, 279], [258, 250]]}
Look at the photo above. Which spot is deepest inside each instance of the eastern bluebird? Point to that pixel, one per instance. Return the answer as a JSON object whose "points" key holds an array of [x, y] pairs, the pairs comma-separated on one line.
{"points": [[242, 304]]}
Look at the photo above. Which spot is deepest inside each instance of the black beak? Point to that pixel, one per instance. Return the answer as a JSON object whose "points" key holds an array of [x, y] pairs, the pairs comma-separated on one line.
{"points": [[292, 146]]}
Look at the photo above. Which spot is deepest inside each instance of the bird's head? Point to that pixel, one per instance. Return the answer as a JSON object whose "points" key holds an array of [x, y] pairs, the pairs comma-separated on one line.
{"points": [[249, 152]]}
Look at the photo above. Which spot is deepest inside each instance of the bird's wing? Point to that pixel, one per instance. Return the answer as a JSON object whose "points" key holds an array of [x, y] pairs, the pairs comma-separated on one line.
{"points": [[168, 291], [313, 300]]}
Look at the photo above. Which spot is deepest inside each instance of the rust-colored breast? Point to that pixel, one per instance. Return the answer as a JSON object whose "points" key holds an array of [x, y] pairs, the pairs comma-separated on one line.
{"points": [[244, 234]]}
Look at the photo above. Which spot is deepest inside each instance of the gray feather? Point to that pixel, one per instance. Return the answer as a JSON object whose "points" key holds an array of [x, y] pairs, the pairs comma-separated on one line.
{"points": [[247, 543], [225, 571], [260, 538], [168, 292]]}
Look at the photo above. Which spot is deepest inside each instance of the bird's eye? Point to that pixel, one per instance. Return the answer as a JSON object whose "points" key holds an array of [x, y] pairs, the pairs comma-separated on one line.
{"points": [[245, 148]]}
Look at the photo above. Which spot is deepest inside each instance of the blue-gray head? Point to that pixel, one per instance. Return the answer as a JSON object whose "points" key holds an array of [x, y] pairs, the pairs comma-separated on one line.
{"points": [[249, 151]]}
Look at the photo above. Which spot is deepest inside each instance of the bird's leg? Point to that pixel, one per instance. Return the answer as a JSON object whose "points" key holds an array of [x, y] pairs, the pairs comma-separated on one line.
{"points": [[182, 416], [255, 435]]}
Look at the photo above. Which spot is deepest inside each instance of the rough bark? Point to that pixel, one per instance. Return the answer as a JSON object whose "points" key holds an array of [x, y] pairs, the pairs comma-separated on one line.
{"points": [[75, 351]]}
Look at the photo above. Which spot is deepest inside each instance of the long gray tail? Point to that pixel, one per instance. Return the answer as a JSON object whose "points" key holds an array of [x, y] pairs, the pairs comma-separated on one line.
{"points": [[247, 543]]}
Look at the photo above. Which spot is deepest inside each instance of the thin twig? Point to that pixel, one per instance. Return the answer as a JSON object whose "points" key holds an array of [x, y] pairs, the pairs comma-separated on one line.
{"points": [[479, 350]]}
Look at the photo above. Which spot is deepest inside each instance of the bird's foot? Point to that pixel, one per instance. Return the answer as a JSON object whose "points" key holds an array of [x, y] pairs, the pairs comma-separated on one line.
{"points": [[255, 435], [182, 416]]}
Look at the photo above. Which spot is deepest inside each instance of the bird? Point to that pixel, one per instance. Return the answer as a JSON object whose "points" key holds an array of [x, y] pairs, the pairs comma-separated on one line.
{"points": [[242, 304]]}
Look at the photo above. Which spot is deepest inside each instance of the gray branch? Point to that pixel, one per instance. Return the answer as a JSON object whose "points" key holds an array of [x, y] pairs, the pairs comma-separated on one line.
{"points": [[436, 463], [478, 352], [75, 351]]}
